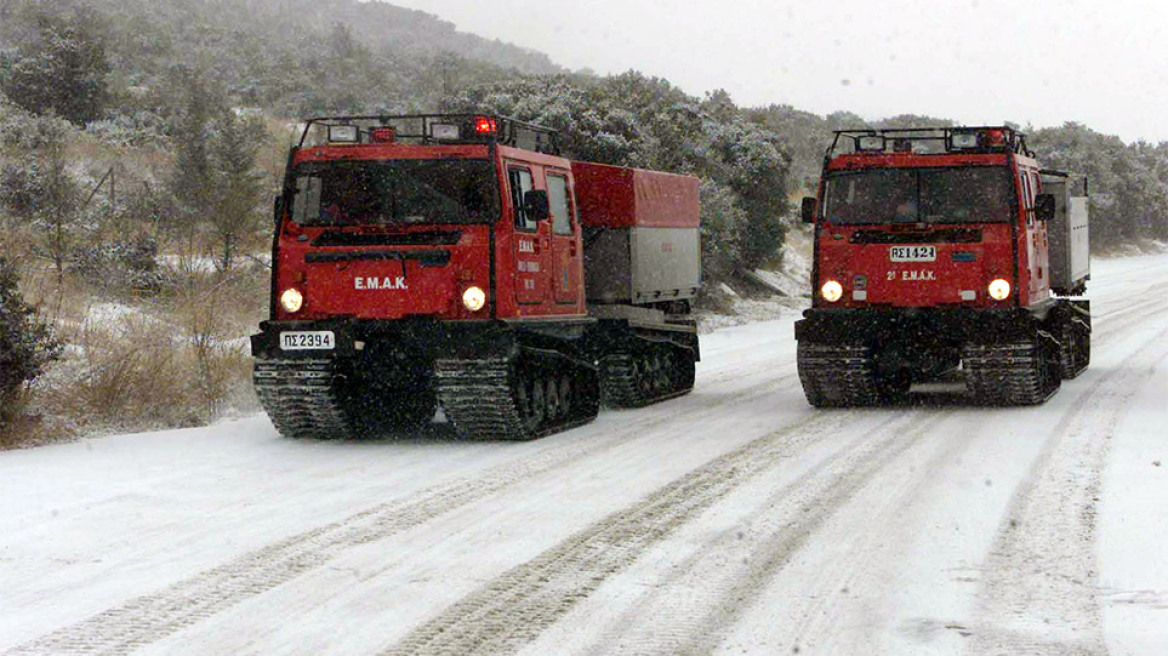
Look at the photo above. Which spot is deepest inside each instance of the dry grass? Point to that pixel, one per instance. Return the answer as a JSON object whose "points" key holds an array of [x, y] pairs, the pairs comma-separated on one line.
{"points": [[175, 360], [179, 357]]}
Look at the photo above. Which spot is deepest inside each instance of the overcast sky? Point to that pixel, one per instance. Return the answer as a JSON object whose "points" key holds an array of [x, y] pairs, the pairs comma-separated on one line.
{"points": [[1101, 63]]}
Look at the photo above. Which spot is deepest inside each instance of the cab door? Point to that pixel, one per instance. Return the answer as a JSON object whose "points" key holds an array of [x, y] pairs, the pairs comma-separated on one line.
{"points": [[531, 254], [565, 254]]}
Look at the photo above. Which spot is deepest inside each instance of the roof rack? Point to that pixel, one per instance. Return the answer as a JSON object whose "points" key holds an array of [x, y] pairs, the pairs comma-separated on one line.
{"points": [[933, 140], [436, 129]]}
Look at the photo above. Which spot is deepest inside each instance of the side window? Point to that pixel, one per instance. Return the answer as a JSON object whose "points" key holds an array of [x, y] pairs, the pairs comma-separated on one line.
{"points": [[520, 180], [1035, 189], [306, 202], [1027, 197], [561, 208]]}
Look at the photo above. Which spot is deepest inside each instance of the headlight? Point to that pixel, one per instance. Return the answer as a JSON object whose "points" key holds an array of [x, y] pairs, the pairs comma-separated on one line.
{"points": [[292, 299], [832, 291], [474, 299], [999, 290]]}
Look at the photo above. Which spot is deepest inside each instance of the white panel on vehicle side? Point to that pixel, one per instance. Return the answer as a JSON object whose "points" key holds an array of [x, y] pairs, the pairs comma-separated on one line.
{"points": [[666, 263], [1080, 238]]}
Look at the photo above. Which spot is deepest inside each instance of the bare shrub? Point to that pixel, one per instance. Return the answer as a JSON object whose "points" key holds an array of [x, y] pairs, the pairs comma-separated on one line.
{"points": [[181, 359], [122, 374]]}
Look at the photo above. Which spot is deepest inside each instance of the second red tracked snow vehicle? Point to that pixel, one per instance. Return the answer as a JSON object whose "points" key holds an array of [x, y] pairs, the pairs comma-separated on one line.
{"points": [[939, 248], [461, 260]]}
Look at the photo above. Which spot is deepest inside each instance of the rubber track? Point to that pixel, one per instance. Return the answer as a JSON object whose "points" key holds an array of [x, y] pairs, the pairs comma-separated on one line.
{"points": [[1006, 374], [478, 396], [619, 383], [1075, 357], [301, 399], [837, 375]]}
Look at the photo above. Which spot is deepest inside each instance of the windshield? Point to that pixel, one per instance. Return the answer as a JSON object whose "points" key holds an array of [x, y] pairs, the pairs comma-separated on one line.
{"points": [[955, 195], [395, 192]]}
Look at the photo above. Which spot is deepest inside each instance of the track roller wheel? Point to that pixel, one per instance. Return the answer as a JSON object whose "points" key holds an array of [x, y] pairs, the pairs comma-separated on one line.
{"points": [[649, 374], [564, 394], [530, 395]]}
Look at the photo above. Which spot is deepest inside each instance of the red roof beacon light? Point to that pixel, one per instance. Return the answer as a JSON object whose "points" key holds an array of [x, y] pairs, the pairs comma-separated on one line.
{"points": [[382, 135], [485, 125], [995, 138]]}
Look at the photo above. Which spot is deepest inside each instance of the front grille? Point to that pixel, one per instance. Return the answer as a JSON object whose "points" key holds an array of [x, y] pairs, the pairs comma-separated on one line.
{"points": [[426, 238], [942, 236]]}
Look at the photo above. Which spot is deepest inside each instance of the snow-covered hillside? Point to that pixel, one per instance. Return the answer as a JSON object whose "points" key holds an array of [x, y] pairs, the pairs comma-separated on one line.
{"points": [[734, 520]]}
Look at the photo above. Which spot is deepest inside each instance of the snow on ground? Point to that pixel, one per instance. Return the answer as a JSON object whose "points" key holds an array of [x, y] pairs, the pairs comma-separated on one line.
{"points": [[736, 519], [790, 279]]}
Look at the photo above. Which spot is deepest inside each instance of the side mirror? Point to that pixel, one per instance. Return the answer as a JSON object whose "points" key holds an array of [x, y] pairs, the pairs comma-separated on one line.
{"points": [[278, 209], [536, 203], [808, 209], [1044, 207]]}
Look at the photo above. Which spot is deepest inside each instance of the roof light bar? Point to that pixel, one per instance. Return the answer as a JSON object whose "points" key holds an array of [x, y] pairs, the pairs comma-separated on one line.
{"points": [[342, 133], [870, 143], [964, 140], [445, 131]]}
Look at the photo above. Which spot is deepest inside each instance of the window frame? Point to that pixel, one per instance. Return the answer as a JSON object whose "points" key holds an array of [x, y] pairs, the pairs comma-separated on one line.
{"points": [[569, 205], [520, 218]]}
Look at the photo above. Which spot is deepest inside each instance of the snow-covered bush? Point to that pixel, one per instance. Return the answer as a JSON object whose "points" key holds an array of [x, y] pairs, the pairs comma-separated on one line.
{"points": [[140, 128], [21, 131], [120, 265]]}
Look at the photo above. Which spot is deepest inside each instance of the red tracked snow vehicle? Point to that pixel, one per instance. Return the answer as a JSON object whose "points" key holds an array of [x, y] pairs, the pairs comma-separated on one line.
{"points": [[940, 247], [460, 260]]}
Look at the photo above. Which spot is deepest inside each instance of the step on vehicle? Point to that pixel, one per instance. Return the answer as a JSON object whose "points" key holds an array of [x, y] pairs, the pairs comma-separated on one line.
{"points": [[462, 260], [941, 248]]}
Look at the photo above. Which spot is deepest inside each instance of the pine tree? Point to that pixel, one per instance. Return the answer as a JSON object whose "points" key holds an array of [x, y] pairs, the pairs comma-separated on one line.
{"points": [[62, 69], [191, 181], [236, 186], [26, 345]]}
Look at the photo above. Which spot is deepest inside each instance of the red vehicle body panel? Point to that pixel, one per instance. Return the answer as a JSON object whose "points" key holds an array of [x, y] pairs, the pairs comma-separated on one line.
{"points": [[616, 197], [537, 273], [968, 255], [402, 287], [541, 274]]}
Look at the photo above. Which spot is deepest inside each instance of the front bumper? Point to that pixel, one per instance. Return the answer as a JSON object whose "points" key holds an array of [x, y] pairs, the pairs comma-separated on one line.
{"points": [[401, 339], [916, 325]]}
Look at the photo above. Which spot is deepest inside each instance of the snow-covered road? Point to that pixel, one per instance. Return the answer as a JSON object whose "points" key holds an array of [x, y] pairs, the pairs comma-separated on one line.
{"points": [[734, 520]]}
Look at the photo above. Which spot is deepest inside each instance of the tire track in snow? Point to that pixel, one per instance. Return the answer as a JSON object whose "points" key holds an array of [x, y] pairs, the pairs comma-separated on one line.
{"points": [[1039, 592], [516, 607], [725, 577], [149, 618], [1117, 321], [702, 572]]}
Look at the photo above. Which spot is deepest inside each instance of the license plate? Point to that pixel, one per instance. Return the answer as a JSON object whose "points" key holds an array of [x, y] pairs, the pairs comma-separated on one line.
{"points": [[913, 253], [305, 340]]}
